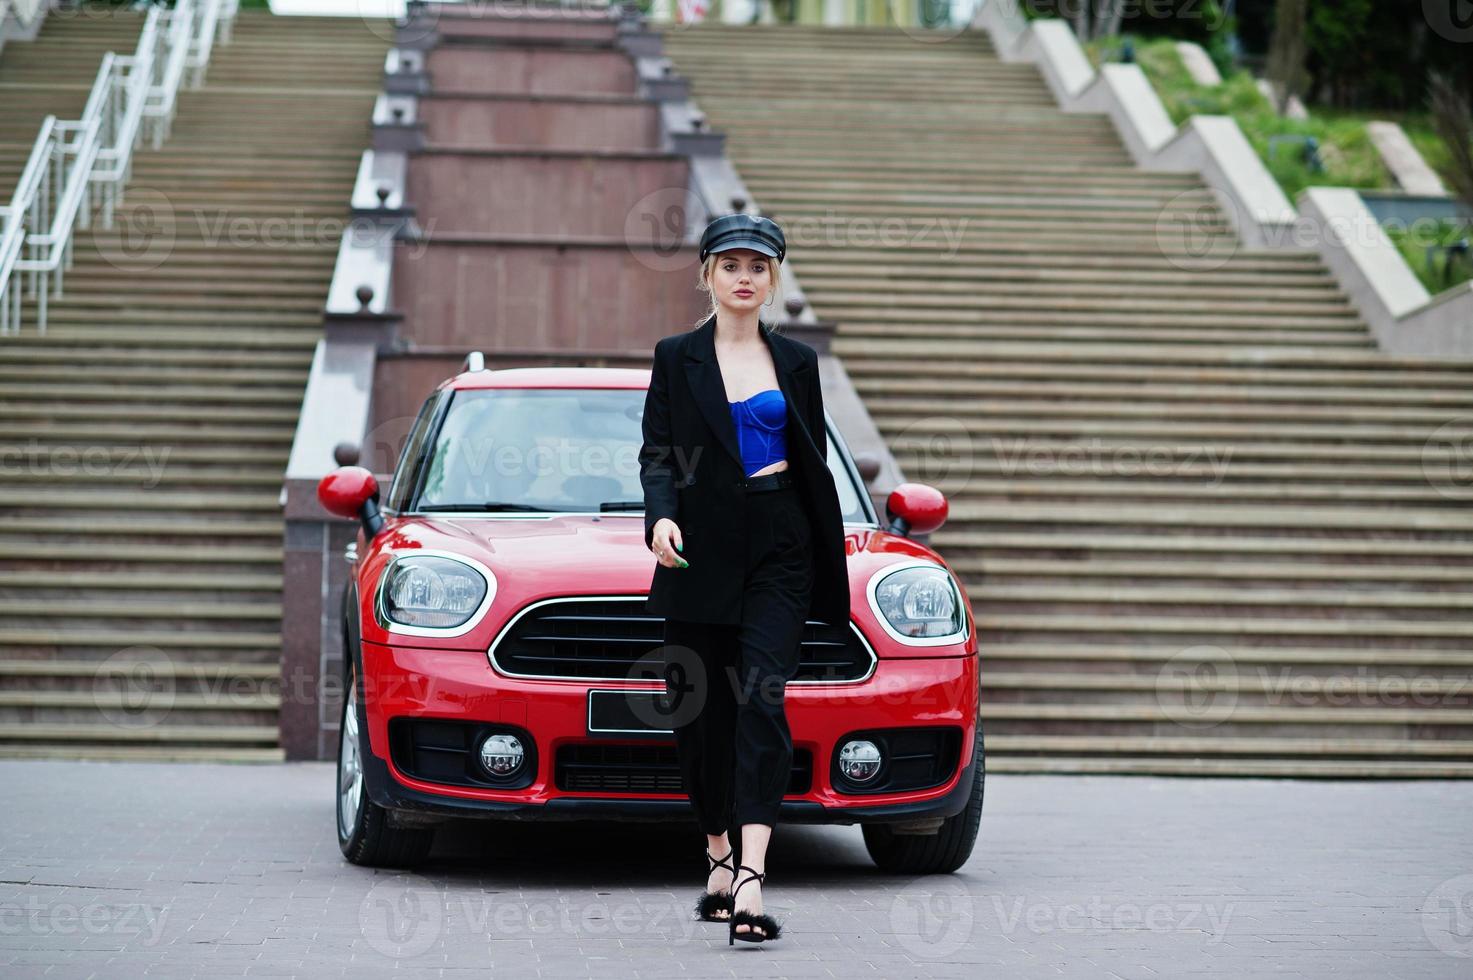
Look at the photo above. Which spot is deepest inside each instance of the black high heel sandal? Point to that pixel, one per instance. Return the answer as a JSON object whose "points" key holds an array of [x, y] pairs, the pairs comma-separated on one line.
{"points": [[752, 920], [710, 903]]}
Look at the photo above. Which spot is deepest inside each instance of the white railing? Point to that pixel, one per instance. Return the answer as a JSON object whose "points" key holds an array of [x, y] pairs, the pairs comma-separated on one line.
{"points": [[75, 166], [18, 218], [122, 117], [170, 62]]}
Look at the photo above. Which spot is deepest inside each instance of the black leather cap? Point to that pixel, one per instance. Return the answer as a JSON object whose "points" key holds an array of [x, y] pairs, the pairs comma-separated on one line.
{"points": [[741, 230]]}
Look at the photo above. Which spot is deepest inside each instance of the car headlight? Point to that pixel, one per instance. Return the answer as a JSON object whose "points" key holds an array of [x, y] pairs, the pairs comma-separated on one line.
{"points": [[431, 592], [920, 601]]}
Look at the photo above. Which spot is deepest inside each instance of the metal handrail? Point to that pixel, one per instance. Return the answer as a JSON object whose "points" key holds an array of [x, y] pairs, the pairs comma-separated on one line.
{"points": [[19, 217], [122, 120], [201, 40], [78, 163], [162, 94], [72, 153]]}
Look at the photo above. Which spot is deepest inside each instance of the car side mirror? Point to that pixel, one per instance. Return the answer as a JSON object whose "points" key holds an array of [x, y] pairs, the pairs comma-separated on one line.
{"points": [[915, 508], [352, 491]]}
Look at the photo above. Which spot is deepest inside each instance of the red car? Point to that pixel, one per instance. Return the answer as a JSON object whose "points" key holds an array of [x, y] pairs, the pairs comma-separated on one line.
{"points": [[499, 663]]}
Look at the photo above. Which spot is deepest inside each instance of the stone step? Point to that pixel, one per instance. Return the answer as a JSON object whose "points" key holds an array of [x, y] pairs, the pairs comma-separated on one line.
{"points": [[1152, 361], [125, 500], [1225, 629], [1205, 569], [232, 379], [1318, 518], [194, 646], [1075, 656], [1257, 396], [1242, 715], [56, 557], [104, 752], [1218, 434], [1233, 767], [1189, 489], [1247, 688], [1143, 599], [147, 528], [98, 434], [32, 580], [32, 733], [33, 704], [922, 291], [158, 393], [979, 407]]}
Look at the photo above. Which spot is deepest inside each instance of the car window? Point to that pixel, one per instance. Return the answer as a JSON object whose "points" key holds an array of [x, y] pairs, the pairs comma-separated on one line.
{"points": [[403, 473], [562, 449]]}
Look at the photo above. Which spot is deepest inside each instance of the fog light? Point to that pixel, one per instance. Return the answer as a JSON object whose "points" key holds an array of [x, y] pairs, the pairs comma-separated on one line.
{"points": [[502, 755], [859, 761]]}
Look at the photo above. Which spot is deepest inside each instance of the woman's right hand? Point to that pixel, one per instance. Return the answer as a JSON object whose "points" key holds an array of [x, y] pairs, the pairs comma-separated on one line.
{"points": [[666, 542]]}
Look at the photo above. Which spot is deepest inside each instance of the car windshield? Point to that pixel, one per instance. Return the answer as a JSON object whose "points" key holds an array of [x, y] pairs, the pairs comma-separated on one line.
{"points": [[553, 449]]}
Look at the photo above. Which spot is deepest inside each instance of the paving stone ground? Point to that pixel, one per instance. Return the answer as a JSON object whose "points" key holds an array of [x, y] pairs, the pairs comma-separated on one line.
{"points": [[116, 870]]}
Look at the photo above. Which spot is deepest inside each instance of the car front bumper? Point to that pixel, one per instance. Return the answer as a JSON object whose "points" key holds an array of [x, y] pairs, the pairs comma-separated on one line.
{"points": [[462, 686]]}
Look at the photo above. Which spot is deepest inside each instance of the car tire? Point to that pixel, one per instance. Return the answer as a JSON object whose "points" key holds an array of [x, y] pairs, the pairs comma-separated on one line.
{"points": [[939, 853], [364, 833]]}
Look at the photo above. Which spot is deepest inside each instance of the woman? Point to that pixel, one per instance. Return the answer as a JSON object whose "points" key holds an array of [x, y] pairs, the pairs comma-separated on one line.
{"points": [[743, 517]]}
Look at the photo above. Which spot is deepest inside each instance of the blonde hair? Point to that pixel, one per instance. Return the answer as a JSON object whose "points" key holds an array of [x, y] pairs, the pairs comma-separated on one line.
{"points": [[703, 283]]}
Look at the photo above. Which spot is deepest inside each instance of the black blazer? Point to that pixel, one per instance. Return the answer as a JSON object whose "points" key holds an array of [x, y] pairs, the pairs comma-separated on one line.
{"points": [[690, 463]]}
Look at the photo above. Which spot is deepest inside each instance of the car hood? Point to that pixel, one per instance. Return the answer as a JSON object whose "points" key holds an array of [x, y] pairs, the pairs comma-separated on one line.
{"points": [[604, 551]]}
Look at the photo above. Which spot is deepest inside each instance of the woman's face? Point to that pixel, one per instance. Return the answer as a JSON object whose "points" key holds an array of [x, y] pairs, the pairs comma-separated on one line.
{"points": [[742, 279]]}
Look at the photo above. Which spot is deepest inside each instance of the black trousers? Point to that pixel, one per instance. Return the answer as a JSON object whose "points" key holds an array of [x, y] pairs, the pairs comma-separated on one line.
{"points": [[725, 684]]}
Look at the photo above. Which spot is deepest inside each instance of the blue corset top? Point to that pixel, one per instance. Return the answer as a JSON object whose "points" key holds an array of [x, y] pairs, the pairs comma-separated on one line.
{"points": [[761, 428]]}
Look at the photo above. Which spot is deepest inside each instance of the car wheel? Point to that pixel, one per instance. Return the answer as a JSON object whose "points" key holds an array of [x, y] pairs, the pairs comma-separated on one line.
{"points": [[939, 853], [364, 834]]}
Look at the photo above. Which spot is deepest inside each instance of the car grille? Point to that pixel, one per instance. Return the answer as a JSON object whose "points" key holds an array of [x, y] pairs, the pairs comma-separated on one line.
{"points": [[593, 767], [613, 638]]}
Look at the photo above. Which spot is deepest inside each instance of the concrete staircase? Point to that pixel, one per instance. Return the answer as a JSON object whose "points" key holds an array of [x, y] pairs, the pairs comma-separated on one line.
{"points": [[146, 433], [1206, 525]]}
